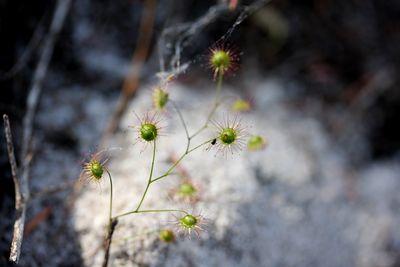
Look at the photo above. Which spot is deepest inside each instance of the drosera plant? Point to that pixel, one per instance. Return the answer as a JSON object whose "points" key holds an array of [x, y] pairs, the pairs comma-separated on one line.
{"points": [[228, 137]]}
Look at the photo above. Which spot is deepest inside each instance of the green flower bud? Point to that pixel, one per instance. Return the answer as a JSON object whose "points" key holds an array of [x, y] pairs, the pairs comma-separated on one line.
{"points": [[220, 59], [187, 190], [223, 60], [241, 105], [148, 131], [96, 169], [160, 98], [167, 236], [188, 221], [256, 142], [227, 136]]}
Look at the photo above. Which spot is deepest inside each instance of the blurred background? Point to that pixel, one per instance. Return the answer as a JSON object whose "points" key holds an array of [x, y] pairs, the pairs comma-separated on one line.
{"points": [[334, 63]]}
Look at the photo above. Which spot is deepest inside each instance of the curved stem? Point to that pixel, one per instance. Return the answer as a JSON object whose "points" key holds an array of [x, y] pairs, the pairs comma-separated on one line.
{"points": [[112, 223], [148, 211], [198, 146], [150, 176], [219, 86], [168, 172], [111, 198]]}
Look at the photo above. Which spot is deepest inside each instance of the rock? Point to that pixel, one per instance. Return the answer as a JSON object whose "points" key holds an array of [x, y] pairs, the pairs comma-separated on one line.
{"points": [[287, 205], [297, 203]]}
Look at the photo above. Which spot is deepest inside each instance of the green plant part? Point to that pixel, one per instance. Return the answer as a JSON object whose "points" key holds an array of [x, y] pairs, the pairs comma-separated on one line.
{"points": [[148, 129], [160, 98], [167, 236], [188, 221], [148, 132], [223, 60], [96, 169], [228, 136], [187, 190], [241, 105], [256, 142]]}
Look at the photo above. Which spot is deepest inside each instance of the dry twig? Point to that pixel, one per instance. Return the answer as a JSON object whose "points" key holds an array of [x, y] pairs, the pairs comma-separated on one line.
{"points": [[57, 22], [21, 195], [108, 240], [28, 52]]}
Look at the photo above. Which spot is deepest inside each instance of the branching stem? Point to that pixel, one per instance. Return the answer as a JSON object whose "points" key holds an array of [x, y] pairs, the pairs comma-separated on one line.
{"points": [[150, 181], [169, 171], [148, 211], [150, 176], [114, 220]]}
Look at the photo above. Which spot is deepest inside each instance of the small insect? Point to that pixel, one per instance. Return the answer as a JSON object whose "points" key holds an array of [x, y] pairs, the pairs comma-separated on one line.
{"points": [[214, 141]]}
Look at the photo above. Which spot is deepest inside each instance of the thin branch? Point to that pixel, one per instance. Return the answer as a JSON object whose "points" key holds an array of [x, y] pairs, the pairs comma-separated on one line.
{"points": [[11, 157], [27, 53], [148, 211], [20, 195], [108, 240], [32, 102], [112, 223], [150, 176], [40, 72], [176, 163], [182, 35]]}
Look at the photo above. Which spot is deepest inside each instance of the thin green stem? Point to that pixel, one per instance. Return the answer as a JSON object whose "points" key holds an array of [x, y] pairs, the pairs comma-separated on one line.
{"points": [[150, 176], [184, 125], [112, 223], [148, 211], [187, 151], [111, 199], [198, 146], [215, 106], [168, 172], [219, 86]]}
